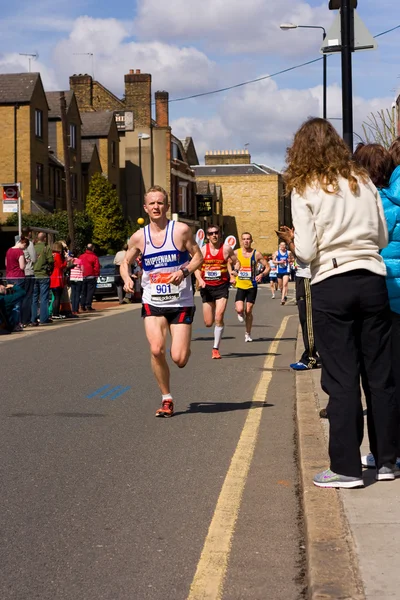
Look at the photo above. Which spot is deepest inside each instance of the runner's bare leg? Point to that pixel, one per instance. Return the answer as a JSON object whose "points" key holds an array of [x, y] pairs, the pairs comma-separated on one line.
{"points": [[181, 335], [156, 329]]}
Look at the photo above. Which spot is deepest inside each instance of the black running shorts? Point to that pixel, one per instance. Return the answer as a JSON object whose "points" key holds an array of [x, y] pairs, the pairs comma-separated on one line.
{"points": [[211, 293], [182, 315], [248, 295]]}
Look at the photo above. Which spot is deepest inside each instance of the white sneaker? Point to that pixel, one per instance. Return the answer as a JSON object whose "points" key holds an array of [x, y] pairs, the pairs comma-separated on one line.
{"points": [[273, 296], [247, 337], [240, 318], [369, 461]]}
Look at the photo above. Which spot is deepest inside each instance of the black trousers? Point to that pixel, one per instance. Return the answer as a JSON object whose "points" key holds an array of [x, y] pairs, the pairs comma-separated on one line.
{"points": [[26, 308], [88, 288], [352, 326], [57, 293], [303, 299]]}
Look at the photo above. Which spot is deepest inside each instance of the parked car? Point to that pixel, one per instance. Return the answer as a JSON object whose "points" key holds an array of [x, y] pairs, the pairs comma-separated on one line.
{"points": [[106, 281]]}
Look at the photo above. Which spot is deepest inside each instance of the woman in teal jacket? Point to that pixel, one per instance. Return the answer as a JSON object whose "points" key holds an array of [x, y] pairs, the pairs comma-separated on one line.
{"points": [[386, 176]]}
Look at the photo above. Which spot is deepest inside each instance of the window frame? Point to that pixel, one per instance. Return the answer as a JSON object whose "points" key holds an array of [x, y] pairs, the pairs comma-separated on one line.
{"points": [[38, 123], [39, 180], [183, 197], [72, 136]]}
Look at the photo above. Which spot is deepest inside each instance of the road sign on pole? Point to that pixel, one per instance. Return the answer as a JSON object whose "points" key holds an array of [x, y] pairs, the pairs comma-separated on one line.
{"points": [[10, 197], [363, 39]]}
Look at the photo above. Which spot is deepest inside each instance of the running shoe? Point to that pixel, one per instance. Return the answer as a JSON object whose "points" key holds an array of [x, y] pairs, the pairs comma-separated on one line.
{"points": [[215, 353], [240, 318], [329, 479], [273, 296], [299, 366], [283, 301], [387, 472], [247, 337], [166, 410], [369, 461]]}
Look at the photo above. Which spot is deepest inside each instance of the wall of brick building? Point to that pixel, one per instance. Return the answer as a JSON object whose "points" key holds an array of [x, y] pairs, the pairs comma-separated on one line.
{"points": [[251, 204], [227, 157], [30, 150]]}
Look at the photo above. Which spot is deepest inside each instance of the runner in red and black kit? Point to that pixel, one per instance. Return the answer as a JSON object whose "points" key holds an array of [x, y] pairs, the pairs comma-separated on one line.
{"points": [[214, 280]]}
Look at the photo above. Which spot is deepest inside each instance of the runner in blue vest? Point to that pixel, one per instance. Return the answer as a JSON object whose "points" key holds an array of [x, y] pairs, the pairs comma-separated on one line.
{"points": [[282, 260]]}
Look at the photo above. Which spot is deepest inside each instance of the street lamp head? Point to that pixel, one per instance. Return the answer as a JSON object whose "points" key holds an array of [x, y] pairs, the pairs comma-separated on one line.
{"points": [[286, 26], [143, 136]]}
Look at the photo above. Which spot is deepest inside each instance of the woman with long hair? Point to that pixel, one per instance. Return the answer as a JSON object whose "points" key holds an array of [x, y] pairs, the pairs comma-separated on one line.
{"points": [[57, 281], [339, 229], [382, 167]]}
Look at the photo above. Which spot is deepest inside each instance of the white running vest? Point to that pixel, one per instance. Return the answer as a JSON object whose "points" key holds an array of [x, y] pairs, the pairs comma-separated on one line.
{"points": [[158, 263]]}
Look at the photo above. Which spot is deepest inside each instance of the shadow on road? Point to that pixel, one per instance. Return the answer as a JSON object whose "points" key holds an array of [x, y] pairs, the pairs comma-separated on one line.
{"points": [[210, 339], [271, 339], [216, 407]]}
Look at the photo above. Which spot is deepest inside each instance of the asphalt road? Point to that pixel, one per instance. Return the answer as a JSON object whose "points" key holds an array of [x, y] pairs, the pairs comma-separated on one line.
{"points": [[102, 501]]}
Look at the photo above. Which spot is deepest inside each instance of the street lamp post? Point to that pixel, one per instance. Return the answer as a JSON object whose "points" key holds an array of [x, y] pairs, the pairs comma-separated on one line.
{"points": [[286, 27], [141, 136]]}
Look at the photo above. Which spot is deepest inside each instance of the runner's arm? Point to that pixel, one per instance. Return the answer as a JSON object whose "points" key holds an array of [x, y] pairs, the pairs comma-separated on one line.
{"points": [[260, 259], [194, 251], [131, 254]]}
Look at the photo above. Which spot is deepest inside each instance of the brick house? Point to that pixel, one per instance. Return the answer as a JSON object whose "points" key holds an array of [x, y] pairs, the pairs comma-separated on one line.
{"points": [[253, 195], [56, 147], [100, 128], [148, 152], [24, 138]]}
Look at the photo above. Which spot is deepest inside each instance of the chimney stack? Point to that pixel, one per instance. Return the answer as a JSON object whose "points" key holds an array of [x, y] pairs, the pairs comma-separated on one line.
{"points": [[138, 97], [82, 86], [162, 109]]}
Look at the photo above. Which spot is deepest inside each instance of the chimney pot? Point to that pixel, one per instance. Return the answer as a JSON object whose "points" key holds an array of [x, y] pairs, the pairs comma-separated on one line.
{"points": [[137, 71], [131, 71]]}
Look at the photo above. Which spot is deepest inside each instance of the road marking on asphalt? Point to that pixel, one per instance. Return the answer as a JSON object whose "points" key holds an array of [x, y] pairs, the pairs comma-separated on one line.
{"points": [[111, 394], [211, 569]]}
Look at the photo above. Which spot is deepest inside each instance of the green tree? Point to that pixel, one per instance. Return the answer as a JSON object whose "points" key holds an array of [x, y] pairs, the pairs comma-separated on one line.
{"points": [[110, 229], [59, 221]]}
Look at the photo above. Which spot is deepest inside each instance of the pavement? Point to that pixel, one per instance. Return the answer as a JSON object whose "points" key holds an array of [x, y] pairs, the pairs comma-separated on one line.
{"points": [[352, 536], [101, 501]]}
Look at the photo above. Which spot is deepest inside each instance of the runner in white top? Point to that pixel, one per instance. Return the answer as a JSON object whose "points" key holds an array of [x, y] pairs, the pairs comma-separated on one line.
{"points": [[170, 256], [273, 274]]}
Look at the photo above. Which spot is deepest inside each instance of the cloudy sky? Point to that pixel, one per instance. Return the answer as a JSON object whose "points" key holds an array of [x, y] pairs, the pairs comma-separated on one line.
{"points": [[195, 46]]}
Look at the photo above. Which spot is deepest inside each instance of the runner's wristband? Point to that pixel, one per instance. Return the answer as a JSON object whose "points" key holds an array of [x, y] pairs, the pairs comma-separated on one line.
{"points": [[185, 272]]}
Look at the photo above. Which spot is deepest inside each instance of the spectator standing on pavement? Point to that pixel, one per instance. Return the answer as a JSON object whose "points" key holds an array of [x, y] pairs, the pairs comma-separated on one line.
{"points": [[30, 259], [91, 271], [57, 281], [42, 270], [119, 257], [75, 281], [339, 228], [381, 168], [15, 270]]}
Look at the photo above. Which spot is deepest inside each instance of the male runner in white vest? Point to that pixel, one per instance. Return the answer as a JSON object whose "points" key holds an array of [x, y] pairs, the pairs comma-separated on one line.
{"points": [[169, 256]]}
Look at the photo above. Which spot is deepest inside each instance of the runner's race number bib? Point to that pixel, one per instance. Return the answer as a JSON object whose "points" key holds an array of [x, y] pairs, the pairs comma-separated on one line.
{"points": [[160, 290], [212, 275], [245, 273]]}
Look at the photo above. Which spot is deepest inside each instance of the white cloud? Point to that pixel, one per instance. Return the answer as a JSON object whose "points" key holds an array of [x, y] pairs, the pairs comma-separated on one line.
{"points": [[183, 70], [267, 117], [235, 27], [15, 63]]}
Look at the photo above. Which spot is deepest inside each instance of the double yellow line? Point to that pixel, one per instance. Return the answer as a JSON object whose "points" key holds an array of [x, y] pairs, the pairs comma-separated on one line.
{"points": [[210, 574]]}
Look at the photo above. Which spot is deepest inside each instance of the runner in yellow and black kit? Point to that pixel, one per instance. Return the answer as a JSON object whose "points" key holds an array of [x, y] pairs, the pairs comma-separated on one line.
{"points": [[247, 281]]}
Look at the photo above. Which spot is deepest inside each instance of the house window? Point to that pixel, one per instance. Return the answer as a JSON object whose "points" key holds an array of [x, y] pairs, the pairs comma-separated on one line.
{"points": [[182, 198], [72, 136], [113, 153], [74, 191], [39, 123], [39, 177], [57, 184]]}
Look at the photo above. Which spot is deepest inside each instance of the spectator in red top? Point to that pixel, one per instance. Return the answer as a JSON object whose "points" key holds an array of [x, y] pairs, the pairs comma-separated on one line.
{"points": [[15, 270], [91, 271], [57, 278]]}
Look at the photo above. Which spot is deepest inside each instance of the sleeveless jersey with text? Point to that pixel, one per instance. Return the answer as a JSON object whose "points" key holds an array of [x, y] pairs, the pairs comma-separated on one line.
{"points": [[246, 277], [214, 269], [274, 269], [283, 268], [158, 262]]}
